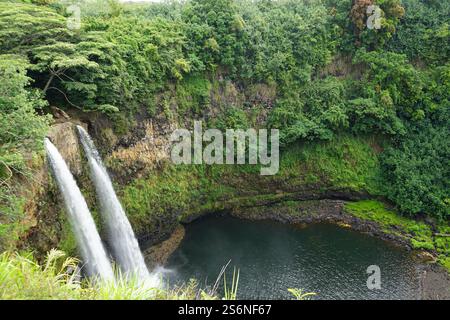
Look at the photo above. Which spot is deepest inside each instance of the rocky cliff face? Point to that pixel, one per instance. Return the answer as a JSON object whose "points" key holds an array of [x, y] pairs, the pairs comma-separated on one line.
{"points": [[139, 160], [128, 157], [158, 195], [142, 154], [65, 138]]}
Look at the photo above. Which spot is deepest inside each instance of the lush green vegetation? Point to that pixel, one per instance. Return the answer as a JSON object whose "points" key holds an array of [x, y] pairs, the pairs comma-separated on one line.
{"points": [[21, 139], [347, 163], [419, 234], [24, 278], [134, 59], [359, 109], [166, 195]]}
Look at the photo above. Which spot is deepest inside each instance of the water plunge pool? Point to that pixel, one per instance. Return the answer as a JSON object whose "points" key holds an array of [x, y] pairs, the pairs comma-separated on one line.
{"points": [[272, 257]]}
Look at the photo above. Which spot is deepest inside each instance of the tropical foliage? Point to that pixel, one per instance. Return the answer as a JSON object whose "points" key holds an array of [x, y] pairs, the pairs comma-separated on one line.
{"points": [[310, 68]]}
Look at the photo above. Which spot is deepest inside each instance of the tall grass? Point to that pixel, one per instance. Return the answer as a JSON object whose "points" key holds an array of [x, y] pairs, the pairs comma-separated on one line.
{"points": [[231, 292], [23, 278]]}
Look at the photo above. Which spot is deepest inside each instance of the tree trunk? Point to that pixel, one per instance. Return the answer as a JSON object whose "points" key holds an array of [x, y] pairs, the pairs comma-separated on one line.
{"points": [[47, 85]]}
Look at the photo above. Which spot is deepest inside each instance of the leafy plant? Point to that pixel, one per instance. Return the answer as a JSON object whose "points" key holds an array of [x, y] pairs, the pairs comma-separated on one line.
{"points": [[299, 294]]}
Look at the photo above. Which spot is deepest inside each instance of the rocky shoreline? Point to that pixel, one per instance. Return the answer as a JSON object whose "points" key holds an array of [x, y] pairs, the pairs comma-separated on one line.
{"points": [[158, 255], [318, 211], [434, 282]]}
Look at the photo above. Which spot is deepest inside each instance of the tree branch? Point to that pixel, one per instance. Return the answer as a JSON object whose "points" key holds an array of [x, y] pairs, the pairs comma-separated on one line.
{"points": [[67, 99]]}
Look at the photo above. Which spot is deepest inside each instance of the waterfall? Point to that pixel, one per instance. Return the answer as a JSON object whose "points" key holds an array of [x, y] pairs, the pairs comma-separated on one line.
{"points": [[91, 247], [124, 245]]}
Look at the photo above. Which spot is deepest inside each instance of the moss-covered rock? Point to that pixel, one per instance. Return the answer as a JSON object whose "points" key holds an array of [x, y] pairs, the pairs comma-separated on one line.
{"points": [[420, 235]]}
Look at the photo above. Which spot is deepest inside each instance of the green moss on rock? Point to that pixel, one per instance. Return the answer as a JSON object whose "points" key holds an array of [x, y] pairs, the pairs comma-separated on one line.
{"points": [[309, 171], [420, 234]]}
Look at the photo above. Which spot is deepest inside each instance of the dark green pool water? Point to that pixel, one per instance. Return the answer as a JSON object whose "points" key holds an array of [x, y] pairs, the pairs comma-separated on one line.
{"points": [[272, 257]]}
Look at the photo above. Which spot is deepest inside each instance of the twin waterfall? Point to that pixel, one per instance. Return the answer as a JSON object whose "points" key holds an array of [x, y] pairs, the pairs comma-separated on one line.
{"points": [[124, 246]]}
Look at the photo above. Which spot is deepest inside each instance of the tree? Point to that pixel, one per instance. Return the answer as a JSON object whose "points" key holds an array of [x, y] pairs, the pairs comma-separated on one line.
{"points": [[416, 171], [142, 58], [21, 129], [215, 26], [424, 34], [64, 59], [391, 11], [390, 92]]}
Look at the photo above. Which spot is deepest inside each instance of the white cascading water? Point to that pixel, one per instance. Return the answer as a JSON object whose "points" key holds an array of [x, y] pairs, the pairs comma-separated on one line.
{"points": [[92, 251], [124, 245]]}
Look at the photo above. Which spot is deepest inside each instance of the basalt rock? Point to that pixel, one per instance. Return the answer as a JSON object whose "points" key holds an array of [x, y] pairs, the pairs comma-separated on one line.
{"points": [[159, 254], [64, 137]]}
